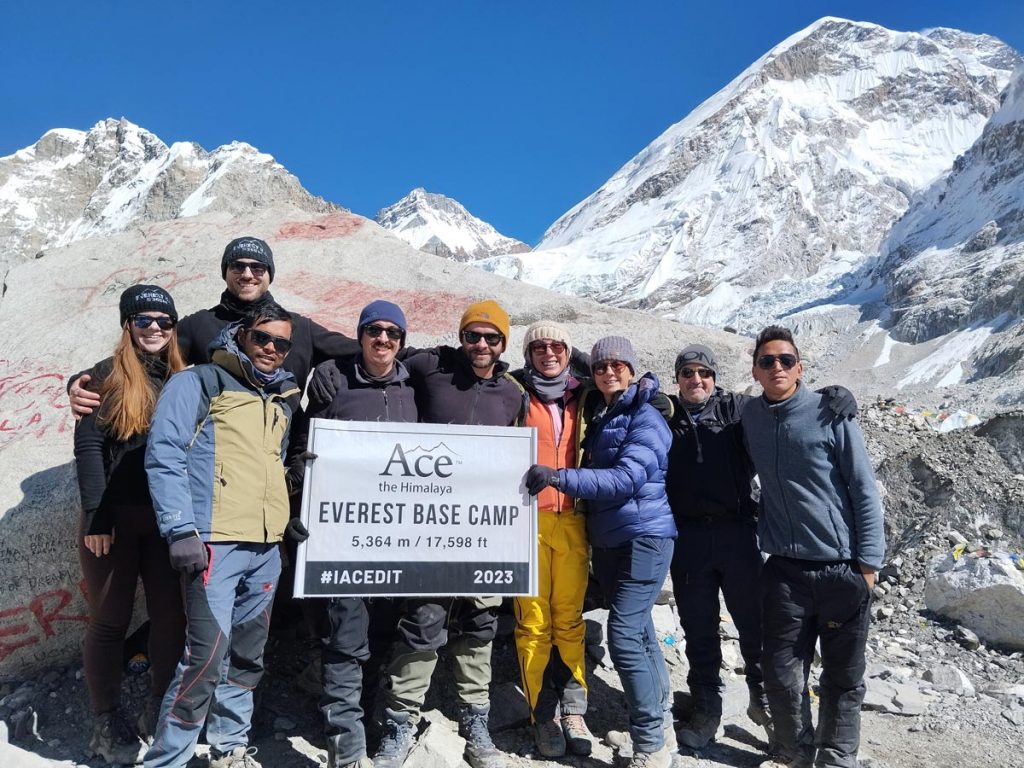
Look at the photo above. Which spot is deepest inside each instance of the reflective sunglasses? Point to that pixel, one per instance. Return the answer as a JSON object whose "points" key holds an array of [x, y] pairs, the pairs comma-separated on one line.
{"points": [[373, 331], [473, 337], [257, 269], [557, 347], [615, 365], [261, 339], [142, 322], [767, 362], [689, 373]]}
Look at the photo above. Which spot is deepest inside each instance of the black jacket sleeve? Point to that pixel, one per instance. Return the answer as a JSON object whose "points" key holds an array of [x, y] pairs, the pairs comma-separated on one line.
{"points": [[323, 387], [92, 476], [328, 345]]}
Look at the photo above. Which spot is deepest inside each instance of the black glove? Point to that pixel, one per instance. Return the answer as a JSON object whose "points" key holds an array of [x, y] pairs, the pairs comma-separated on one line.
{"points": [[296, 531], [539, 477], [324, 385], [297, 471], [841, 401], [188, 553]]}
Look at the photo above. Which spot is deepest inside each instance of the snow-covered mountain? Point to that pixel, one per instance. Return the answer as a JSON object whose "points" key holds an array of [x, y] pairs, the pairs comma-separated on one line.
{"points": [[72, 184], [774, 190], [955, 261], [442, 226]]}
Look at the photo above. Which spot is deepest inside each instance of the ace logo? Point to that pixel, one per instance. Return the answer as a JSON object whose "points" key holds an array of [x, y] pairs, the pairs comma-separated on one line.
{"points": [[427, 462]]}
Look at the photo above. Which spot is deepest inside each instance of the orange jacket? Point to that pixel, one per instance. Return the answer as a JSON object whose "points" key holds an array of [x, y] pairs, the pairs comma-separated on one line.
{"points": [[558, 456]]}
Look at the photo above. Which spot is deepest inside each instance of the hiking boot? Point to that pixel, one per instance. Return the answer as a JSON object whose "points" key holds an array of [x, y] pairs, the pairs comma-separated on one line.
{"points": [[759, 714], [115, 739], [548, 736], [700, 731], [395, 741], [660, 759], [362, 762], [239, 757], [778, 762], [480, 750], [578, 737]]}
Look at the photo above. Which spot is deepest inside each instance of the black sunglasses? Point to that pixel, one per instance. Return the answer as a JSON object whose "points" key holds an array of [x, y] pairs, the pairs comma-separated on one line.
{"points": [[473, 337], [767, 362], [373, 331], [142, 322], [257, 269], [261, 339], [689, 373]]}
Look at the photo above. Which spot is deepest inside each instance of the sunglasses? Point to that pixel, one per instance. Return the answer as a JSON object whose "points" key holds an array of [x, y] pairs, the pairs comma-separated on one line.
{"points": [[557, 347], [142, 322], [689, 373], [615, 365], [767, 362], [373, 331], [257, 269], [262, 339], [473, 337]]}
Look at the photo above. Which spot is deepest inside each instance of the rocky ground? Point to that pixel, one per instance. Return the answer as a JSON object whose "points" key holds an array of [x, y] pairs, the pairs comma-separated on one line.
{"points": [[937, 695]]}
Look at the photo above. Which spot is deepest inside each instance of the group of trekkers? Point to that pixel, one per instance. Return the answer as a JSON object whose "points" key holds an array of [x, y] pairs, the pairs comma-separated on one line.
{"points": [[189, 477]]}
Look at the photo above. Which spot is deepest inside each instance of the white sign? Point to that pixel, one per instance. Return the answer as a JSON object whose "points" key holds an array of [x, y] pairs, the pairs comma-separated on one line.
{"points": [[417, 509]]}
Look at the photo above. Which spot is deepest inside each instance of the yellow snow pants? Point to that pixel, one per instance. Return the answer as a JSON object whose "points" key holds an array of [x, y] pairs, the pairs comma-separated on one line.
{"points": [[555, 616]]}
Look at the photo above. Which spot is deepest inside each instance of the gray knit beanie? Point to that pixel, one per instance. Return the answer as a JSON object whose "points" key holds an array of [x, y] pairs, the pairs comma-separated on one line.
{"points": [[613, 348], [697, 354], [544, 329]]}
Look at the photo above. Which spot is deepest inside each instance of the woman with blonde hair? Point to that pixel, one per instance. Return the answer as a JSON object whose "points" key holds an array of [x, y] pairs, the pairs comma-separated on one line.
{"points": [[119, 540]]}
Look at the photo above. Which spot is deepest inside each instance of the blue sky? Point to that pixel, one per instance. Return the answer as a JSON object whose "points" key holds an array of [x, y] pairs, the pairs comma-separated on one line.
{"points": [[516, 109]]}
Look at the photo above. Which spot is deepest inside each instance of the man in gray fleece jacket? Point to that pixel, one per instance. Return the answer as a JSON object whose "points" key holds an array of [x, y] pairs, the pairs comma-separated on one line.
{"points": [[821, 523]]}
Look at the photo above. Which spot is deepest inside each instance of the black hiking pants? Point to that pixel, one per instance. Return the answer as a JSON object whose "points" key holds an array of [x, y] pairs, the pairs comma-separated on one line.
{"points": [[712, 555], [806, 601]]}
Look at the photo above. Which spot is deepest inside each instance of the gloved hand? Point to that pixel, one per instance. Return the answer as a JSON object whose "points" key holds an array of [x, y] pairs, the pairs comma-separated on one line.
{"points": [[324, 386], [188, 553], [297, 471], [539, 477], [296, 531], [841, 401]]}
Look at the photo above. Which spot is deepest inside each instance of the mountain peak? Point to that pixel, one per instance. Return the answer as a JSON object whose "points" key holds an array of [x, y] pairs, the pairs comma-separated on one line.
{"points": [[74, 184], [441, 225]]}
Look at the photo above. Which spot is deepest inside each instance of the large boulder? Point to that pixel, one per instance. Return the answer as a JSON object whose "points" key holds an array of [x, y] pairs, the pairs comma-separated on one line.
{"points": [[985, 594]]}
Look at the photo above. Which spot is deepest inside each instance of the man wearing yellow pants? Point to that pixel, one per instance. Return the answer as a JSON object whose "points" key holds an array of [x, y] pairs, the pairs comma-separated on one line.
{"points": [[549, 629]]}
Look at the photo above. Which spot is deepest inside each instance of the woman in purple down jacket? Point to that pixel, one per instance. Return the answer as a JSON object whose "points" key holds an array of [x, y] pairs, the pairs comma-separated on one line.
{"points": [[621, 475]]}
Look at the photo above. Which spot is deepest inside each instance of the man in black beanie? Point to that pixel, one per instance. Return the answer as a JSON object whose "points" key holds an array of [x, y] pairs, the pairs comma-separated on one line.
{"points": [[247, 267]]}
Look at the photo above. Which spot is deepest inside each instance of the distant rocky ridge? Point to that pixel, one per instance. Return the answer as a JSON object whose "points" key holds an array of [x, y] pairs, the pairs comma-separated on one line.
{"points": [[773, 194], [442, 226], [73, 184], [956, 259]]}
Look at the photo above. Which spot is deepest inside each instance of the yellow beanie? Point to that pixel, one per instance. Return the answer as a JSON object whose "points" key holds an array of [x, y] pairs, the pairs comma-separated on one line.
{"points": [[487, 311]]}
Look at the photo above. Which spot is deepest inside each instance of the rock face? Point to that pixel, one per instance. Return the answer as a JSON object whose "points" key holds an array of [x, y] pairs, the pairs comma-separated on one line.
{"points": [[986, 594], [770, 192], [71, 185], [439, 225], [953, 262]]}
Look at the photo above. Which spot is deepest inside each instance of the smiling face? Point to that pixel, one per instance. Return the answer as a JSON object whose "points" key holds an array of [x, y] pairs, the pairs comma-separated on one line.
{"points": [[263, 352], [379, 351], [549, 357], [779, 383], [244, 284], [482, 355], [150, 339], [694, 388], [611, 378]]}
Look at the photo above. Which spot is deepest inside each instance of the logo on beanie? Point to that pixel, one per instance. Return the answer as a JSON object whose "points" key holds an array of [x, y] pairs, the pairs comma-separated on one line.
{"points": [[249, 246], [157, 297]]}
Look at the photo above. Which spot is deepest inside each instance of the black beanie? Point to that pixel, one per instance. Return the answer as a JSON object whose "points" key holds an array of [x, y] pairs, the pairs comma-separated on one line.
{"points": [[247, 248], [146, 298]]}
